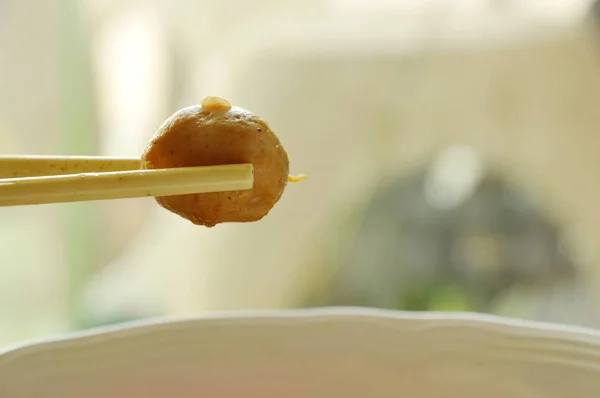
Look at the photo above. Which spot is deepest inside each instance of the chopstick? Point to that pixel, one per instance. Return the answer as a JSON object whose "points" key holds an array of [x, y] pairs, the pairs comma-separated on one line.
{"points": [[34, 166], [30, 180]]}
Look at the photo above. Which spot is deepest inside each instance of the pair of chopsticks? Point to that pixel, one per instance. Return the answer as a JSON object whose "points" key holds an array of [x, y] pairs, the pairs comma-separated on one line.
{"points": [[31, 180]]}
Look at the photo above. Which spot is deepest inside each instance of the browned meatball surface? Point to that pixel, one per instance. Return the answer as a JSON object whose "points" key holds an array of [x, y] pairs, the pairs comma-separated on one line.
{"points": [[215, 133]]}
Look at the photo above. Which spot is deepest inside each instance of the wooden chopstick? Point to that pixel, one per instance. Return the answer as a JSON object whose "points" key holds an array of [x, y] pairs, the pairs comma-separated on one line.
{"points": [[42, 179], [35, 166]]}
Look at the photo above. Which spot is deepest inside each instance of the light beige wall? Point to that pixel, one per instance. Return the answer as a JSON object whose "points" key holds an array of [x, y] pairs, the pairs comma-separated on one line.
{"points": [[31, 251], [528, 108]]}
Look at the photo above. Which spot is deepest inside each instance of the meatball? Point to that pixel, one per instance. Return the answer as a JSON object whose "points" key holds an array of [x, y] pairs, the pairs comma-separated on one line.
{"points": [[215, 133]]}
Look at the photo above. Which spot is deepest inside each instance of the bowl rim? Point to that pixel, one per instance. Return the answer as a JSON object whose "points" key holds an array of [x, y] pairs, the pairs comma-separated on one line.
{"points": [[402, 320]]}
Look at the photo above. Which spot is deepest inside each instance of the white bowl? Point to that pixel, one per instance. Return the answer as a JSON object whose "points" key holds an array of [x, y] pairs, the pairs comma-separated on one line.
{"points": [[312, 353]]}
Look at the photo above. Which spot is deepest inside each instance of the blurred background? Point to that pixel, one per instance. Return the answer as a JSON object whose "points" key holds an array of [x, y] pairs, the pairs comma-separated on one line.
{"points": [[451, 147]]}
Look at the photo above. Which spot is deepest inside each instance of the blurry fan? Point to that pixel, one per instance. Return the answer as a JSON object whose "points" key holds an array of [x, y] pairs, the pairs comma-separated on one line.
{"points": [[453, 236]]}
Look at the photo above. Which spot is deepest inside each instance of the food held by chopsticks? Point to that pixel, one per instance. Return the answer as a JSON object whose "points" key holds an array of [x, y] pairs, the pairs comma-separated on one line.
{"points": [[216, 133], [210, 163]]}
